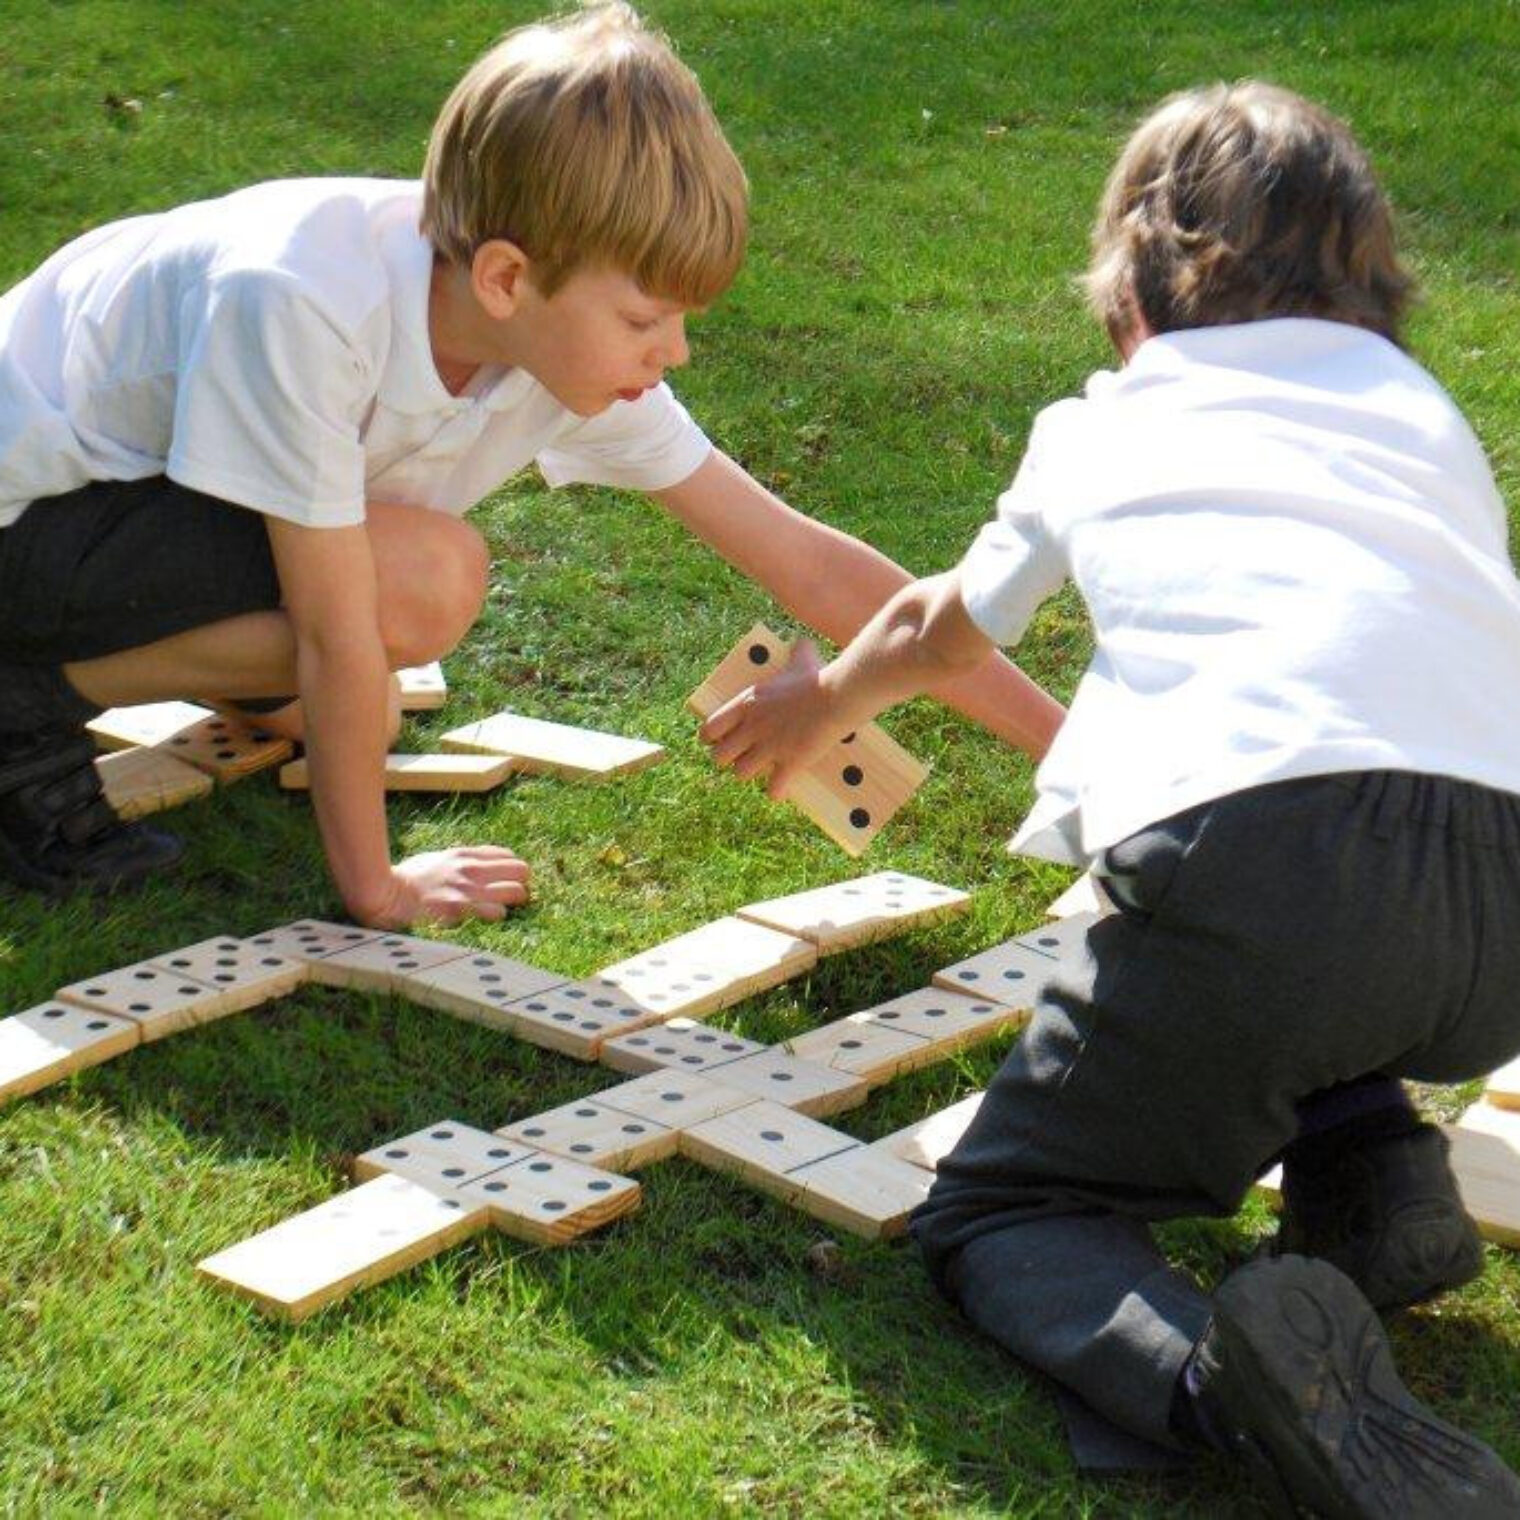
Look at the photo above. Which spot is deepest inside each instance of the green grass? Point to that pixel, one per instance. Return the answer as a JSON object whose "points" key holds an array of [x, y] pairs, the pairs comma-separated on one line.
{"points": [[923, 176]]}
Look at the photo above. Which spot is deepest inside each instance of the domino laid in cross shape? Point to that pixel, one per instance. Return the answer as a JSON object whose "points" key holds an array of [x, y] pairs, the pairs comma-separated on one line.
{"points": [[848, 913], [852, 791], [541, 747]]}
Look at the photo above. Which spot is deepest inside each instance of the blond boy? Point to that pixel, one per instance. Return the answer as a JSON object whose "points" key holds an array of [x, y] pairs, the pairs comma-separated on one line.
{"points": [[237, 440], [1287, 761]]}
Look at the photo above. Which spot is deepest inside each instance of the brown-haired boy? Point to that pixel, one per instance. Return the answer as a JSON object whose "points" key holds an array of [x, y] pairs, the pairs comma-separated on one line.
{"points": [[237, 440], [1287, 762]]}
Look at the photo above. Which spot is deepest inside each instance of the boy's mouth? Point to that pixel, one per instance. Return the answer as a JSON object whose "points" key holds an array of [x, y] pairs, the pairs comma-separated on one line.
{"points": [[632, 394]]}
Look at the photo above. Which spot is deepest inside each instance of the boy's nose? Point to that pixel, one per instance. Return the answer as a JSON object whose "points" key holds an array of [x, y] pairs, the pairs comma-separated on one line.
{"points": [[676, 350]]}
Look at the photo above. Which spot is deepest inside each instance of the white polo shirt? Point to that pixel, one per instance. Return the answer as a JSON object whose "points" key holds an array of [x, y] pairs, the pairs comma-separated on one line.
{"points": [[271, 348], [1295, 561]]}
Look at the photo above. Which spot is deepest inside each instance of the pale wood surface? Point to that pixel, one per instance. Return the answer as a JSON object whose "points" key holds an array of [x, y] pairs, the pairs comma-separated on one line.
{"points": [[423, 687], [1011, 973], [148, 723], [139, 782], [710, 968], [924, 1143], [382, 964], [54, 1040], [577, 1019], [680, 1045], [549, 1200], [227, 748], [865, 1191], [848, 913], [1084, 895], [1503, 1087], [446, 1154], [764, 1144], [851, 791], [158, 1001], [1485, 1155], [359, 1237], [246, 974], [422, 773], [675, 1099], [477, 987], [801, 1085], [311, 939], [555, 748], [595, 1135], [873, 1052]]}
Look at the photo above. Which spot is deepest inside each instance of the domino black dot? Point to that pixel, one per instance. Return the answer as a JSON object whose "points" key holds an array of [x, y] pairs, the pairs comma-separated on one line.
{"points": [[859, 818], [759, 654], [853, 775]]}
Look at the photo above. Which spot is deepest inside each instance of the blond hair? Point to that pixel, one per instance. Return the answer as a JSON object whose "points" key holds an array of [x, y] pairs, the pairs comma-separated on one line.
{"points": [[586, 142], [1233, 203]]}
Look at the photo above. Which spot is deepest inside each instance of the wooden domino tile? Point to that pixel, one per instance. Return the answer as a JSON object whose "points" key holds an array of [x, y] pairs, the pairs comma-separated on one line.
{"points": [[764, 1144], [850, 792], [443, 1155], [423, 687], [246, 974], [1485, 1156], [147, 724], [576, 1019], [710, 968], [676, 1099], [1503, 1087], [595, 1135], [549, 1200], [383, 963], [865, 1191], [158, 1001], [1084, 895], [1012, 974], [848, 913], [422, 773], [359, 1237], [311, 939], [54, 1040], [949, 1021], [800, 1085], [139, 782], [873, 1052], [924, 1143], [477, 987], [678, 1045], [1060, 938], [540, 747], [227, 748]]}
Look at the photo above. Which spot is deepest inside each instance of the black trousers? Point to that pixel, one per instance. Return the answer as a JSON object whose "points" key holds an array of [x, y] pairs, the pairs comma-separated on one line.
{"points": [[1276, 943], [113, 566]]}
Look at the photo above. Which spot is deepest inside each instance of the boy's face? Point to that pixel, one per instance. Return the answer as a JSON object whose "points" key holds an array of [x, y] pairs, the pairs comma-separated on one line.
{"points": [[598, 339]]}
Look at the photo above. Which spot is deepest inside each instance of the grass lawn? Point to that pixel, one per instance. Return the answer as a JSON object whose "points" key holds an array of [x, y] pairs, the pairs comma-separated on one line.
{"points": [[923, 177]]}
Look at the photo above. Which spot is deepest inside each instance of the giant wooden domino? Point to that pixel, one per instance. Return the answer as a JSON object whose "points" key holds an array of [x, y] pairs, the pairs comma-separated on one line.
{"points": [[725, 1101], [854, 789]]}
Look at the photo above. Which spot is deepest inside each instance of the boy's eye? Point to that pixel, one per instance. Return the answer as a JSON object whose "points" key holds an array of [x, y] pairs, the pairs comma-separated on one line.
{"points": [[642, 324]]}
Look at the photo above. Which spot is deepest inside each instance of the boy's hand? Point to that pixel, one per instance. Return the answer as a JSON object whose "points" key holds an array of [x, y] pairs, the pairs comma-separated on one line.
{"points": [[778, 729], [444, 886]]}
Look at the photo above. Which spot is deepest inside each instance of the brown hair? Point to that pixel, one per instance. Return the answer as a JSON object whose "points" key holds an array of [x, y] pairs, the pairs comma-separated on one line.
{"points": [[585, 141], [1233, 203]]}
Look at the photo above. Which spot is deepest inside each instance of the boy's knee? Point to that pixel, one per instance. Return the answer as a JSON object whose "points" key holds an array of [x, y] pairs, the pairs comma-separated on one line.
{"points": [[429, 607]]}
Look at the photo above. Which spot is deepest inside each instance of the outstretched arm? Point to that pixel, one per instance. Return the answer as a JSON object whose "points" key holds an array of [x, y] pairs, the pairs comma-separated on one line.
{"points": [[918, 641], [835, 583]]}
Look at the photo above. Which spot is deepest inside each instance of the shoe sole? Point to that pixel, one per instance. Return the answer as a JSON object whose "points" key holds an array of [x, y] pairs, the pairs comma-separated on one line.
{"points": [[1427, 1250], [1307, 1371]]}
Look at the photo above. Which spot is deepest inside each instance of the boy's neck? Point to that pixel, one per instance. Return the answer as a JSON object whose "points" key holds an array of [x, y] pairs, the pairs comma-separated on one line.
{"points": [[449, 307]]}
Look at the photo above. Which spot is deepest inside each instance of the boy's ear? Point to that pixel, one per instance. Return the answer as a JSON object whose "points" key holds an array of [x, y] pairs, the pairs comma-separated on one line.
{"points": [[498, 274]]}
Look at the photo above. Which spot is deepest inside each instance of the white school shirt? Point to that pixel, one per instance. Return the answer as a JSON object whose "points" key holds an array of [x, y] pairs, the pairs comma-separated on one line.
{"points": [[1295, 561], [271, 348]]}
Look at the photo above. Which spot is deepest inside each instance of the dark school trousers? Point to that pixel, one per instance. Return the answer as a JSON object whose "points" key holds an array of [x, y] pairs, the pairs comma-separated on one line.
{"points": [[112, 566], [1278, 943]]}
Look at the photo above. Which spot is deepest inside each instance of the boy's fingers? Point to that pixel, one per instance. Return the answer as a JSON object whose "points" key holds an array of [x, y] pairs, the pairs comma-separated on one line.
{"points": [[723, 721]]}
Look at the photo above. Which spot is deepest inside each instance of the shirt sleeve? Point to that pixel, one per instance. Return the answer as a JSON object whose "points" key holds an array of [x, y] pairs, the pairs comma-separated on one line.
{"points": [[643, 445], [1015, 562], [269, 403]]}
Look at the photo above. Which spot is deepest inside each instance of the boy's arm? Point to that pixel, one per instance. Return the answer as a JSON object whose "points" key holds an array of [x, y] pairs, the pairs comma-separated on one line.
{"points": [[835, 583], [922, 638], [327, 579]]}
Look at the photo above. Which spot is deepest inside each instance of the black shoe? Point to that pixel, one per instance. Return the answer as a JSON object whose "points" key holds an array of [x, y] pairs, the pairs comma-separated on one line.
{"points": [[57, 831], [1386, 1210], [1294, 1376]]}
